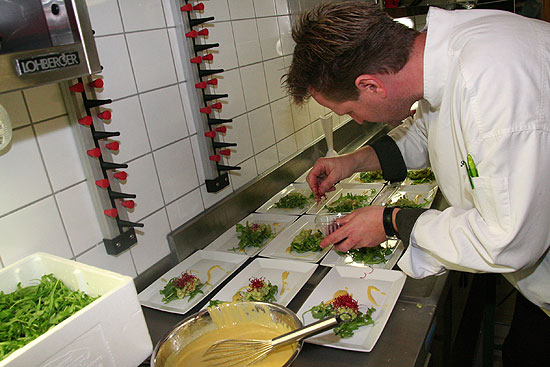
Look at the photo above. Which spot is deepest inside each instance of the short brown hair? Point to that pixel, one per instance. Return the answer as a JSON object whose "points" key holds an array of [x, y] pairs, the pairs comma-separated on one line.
{"points": [[336, 42]]}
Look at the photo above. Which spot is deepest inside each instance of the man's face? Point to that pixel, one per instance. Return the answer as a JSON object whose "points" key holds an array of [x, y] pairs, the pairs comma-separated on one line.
{"points": [[366, 108]]}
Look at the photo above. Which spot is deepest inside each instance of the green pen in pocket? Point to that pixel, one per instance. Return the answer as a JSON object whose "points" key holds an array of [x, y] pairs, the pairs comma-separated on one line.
{"points": [[472, 167]]}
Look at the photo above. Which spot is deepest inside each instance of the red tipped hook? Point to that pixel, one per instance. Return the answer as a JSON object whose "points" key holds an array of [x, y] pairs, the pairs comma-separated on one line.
{"points": [[199, 6], [77, 88], [206, 110], [113, 145], [212, 81], [221, 129], [94, 152], [196, 60], [120, 175], [203, 32], [105, 115], [187, 7], [208, 57], [215, 158], [217, 105], [200, 85], [97, 83], [226, 152], [128, 204], [86, 121], [102, 183], [210, 134], [192, 34], [111, 212]]}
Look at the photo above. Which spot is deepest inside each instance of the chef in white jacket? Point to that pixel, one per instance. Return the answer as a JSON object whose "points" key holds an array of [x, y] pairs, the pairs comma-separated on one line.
{"points": [[482, 82]]}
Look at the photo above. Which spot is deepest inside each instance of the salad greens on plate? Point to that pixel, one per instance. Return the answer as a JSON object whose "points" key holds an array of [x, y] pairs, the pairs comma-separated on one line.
{"points": [[293, 200], [252, 235], [186, 285], [368, 255], [307, 240], [371, 176], [350, 202], [421, 176], [258, 289]]}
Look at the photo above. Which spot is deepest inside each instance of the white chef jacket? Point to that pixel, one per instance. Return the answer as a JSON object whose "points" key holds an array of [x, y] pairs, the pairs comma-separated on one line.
{"points": [[487, 94]]}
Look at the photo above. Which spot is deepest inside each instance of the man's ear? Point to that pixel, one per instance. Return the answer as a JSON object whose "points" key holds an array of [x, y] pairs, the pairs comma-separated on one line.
{"points": [[370, 84]]}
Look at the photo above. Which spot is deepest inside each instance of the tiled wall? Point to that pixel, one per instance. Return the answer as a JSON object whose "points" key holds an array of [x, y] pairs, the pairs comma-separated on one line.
{"points": [[45, 204]]}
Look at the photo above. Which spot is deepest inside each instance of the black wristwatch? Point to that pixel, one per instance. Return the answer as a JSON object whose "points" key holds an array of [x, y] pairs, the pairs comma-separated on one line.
{"points": [[387, 220]]}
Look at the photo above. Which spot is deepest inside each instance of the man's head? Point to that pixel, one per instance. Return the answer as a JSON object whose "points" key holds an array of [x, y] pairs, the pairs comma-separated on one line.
{"points": [[338, 42]]}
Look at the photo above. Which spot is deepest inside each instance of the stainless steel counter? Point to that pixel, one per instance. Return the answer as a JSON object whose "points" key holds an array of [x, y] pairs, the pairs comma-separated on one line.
{"points": [[408, 333]]}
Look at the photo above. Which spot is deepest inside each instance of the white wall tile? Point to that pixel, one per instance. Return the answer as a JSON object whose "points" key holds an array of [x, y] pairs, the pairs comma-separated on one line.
{"points": [[104, 16], [176, 54], [60, 153], [304, 137], [80, 217], [241, 9], [225, 55], [217, 9], [315, 110], [211, 198], [185, 208], [186, 102], [230, 83], [317, 129], [247, 41], [287, 147], [176, 169], [152, 244], [281, 6], [261, 128], [254, 86], [14, 105], [282, 118], [270, 41], [266, 159], [286, 34], [24, 178], [247, 173], [117, 71], [300, 115], [140, 15], [98, 257], [274, 70], [127, 118], [35, 228], [143, 181], [264, 8], [164, 116], [153, 65], [239, 132], [45, 102]]}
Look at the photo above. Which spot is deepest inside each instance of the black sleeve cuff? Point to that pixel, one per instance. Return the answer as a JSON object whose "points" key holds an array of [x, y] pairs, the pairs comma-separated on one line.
{"points": [[405, 220], [391, 159]]}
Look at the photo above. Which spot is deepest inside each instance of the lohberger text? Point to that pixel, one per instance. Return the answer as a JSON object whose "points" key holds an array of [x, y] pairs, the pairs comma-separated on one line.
{"points": [[47, 62]]}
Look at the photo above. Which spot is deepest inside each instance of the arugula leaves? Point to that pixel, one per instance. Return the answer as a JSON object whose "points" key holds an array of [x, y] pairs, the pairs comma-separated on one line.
{"points": [[368, 255], [403, 202], [421, 176], [307, 241], [29, 312], [371, 176], [293, 200], [350, 202], [181, 287], [252, 235]]}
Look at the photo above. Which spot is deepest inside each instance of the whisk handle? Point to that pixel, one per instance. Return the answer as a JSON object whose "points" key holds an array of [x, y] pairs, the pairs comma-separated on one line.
{"points": [[310, 330]]}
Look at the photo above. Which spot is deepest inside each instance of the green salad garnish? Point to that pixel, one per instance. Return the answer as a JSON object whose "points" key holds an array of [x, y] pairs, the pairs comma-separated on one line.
{"points": [[293, 200], [29, 312], [421, 176], [344, 303], [180, 287], [252, 235], [307, 240], [403, 202], [350, 202], [368, 255], [371, 176]]}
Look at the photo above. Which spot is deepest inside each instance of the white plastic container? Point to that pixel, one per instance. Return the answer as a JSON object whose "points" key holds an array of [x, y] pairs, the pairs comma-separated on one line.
{"points": [[109, 332]]}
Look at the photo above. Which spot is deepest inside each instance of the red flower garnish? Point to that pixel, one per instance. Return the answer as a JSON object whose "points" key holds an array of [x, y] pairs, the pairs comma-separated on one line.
{"points": [[346, 301], [184, 279], [255, 283], [254, 227]]}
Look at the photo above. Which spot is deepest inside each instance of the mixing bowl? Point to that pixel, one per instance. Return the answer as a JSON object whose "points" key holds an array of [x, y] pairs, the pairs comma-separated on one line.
{"points": [[200, 323]]}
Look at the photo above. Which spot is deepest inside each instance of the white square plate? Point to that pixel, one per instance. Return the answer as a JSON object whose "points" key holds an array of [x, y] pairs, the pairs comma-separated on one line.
{"points": [[280, 246], [210, 267], [302, 188], [229, 239], [343, 190], [335, 259], [420, 194], [297, 274], [356, 281]]}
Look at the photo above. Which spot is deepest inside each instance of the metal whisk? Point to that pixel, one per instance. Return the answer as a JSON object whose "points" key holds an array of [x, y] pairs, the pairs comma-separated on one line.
{"points": [[245, 352]]}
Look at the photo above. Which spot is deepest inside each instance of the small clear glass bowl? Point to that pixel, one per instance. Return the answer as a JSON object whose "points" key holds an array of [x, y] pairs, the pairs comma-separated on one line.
{"points": [[328, 223]]}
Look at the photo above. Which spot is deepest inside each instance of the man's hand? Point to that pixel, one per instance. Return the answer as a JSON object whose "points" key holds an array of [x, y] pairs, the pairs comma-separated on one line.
{"points": [[362, 228], [327, 172]]}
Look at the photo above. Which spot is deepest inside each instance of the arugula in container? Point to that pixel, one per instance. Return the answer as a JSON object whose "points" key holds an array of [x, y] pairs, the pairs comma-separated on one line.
{"points": [[29, 312], [368, 255], [186, 285], [370, 176], [340, 304], [350, 202], [421, 176], [307, 240], [252, 235], [293, 200]]}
